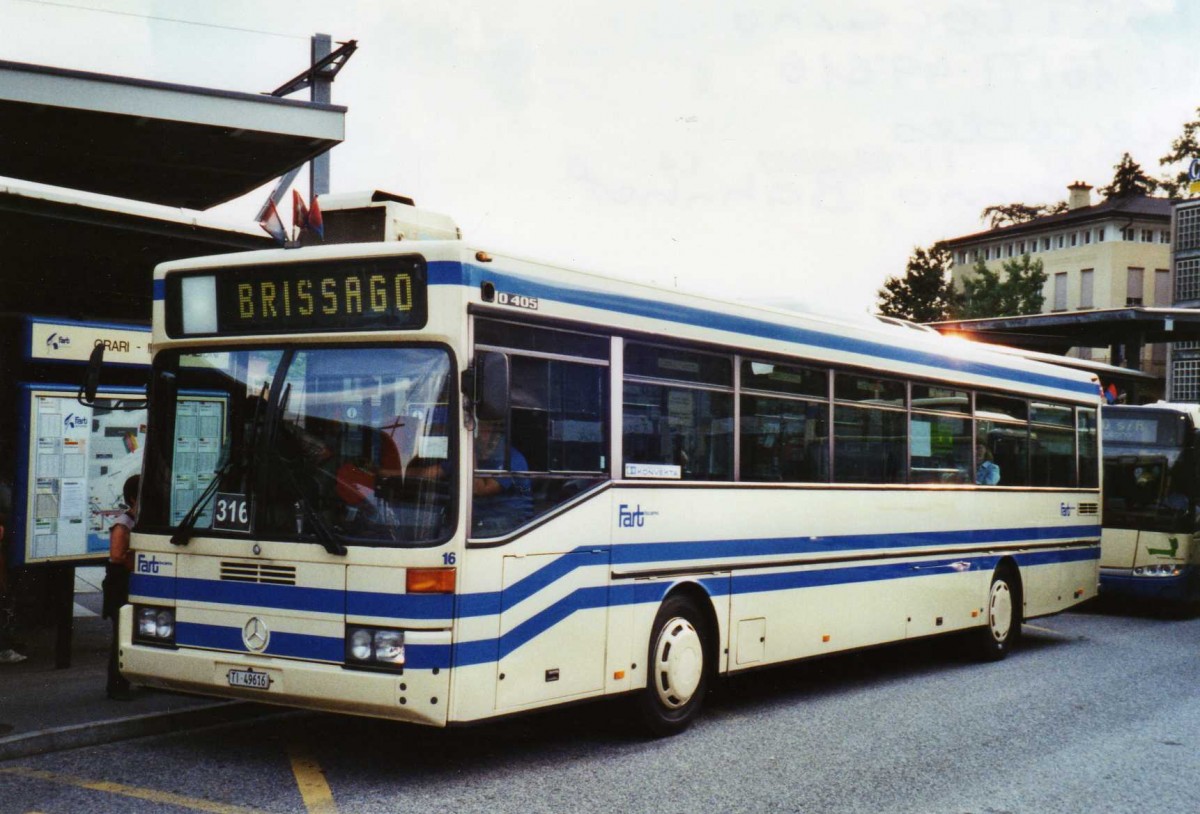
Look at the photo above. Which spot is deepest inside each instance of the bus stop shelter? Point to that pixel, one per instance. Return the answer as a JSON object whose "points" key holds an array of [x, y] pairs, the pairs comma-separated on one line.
{"points": [[102, 178], [1123, 331]]}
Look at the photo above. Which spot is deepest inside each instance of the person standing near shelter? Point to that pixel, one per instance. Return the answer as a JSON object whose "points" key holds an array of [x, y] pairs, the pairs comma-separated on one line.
{"points": [[116, 585], [8, 655]]}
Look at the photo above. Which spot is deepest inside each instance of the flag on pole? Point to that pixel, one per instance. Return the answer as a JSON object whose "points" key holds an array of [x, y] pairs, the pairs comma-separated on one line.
{"points": [[299, 212], [272, 224], [315, 223]]}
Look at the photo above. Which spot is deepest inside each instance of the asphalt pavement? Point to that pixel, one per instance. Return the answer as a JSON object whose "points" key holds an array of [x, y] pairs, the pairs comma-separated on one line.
{"points": [[44, 709]]}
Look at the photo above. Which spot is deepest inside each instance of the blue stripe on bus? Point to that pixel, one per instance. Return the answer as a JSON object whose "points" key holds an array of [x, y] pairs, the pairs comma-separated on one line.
{"points": [[448, 273], [290, 597], [485, 651], [431, 607], [155, 587], [635, 553], [288, 645], [160, 290], [400, 606]]}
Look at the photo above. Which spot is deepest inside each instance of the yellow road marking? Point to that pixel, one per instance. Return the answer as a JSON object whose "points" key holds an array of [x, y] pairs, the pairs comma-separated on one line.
{"points": [[164, 797], [318, 799]]}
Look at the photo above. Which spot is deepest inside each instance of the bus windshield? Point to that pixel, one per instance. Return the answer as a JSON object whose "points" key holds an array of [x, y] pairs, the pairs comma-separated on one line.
{"points": [[1148, 479], [340, 446]]}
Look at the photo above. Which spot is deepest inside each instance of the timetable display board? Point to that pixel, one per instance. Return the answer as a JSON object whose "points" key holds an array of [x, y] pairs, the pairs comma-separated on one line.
{"points": [[78, 461], [199, 430]]}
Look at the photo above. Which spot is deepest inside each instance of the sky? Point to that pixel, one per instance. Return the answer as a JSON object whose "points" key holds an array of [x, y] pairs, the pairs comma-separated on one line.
{"points": [[772, 151]]}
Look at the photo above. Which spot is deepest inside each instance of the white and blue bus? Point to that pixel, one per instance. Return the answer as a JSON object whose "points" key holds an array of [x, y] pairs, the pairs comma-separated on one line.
{"points": [[417, 481]]}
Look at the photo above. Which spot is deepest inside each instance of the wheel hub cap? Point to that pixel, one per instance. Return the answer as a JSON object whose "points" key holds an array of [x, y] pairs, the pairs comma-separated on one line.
{"points": [[679, 663], [1000, 613]]}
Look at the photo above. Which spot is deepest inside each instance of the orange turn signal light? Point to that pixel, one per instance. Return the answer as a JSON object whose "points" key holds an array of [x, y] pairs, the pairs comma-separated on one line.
{"points": [[430, 581]]}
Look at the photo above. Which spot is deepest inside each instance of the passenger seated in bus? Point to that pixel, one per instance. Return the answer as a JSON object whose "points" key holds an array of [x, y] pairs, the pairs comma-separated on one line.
{"points": [[988, 472], [500, 504]]}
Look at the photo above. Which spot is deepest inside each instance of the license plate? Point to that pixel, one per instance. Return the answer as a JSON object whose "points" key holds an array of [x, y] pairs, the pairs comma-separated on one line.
{"points": [[249, 678]]}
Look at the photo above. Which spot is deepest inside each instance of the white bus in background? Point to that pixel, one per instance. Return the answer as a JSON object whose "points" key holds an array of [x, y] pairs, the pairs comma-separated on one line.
{"points": [[417, 481], [1151, 495]]}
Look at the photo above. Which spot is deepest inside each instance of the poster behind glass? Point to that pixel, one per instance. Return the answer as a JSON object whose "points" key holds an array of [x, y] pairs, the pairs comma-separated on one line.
{"points": [[79, 460]]}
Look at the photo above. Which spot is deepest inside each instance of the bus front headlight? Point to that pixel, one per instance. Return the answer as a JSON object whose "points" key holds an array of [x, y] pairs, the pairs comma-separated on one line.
{"points": [[360, 645], [374, 647], [153, 624], [389, 646]]}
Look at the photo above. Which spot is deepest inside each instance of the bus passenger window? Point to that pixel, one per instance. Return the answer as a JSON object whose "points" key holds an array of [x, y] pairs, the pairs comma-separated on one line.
{"points": [[548, 447], [940, 449]]}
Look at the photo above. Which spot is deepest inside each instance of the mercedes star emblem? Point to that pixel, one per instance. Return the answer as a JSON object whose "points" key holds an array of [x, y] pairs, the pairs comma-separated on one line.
{"points": [[255, 634]]}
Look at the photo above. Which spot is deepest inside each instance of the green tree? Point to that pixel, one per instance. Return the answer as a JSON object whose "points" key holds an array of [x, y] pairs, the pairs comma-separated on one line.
{"points": [[1183, 150], [1129, 179], [1014, 290], [1011, 214], [925, 292]]}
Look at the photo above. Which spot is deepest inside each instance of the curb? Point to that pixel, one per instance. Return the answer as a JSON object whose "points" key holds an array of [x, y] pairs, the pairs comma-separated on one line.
{"points": [[134, 726]]}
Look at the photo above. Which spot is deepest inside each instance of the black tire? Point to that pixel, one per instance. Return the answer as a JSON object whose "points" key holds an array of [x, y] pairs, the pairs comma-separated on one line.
{"points": [[1002, 616], [678, 666]]}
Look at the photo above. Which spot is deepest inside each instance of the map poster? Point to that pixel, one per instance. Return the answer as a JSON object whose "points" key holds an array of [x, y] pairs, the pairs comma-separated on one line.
{"points": [[79, 460]]}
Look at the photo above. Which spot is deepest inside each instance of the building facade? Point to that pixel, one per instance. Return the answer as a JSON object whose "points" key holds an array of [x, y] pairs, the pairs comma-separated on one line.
{"points": [[1183, 381], [1112, 254]]}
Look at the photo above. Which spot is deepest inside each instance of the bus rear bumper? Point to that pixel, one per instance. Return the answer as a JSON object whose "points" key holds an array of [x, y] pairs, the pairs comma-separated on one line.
{"points": [[1123, 583], [417, 696]]}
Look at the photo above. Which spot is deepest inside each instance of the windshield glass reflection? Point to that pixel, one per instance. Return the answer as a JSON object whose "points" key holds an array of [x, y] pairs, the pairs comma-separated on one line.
{"points": [[332, 445]]}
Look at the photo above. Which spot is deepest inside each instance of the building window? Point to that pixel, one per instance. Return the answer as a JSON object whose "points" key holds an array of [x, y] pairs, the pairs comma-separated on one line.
{"points": [[1009, 250], [1134, 286], [1185, 380], [1060, 291], [1147, 235], [1086, 288], [1187, 228], [1100, 234], [1187, 278], [962, 258], [1074, 238], [1162, 287], [1128, 234], [1061, 241], [1087, 236], [1164, 236], [1045, 244]]}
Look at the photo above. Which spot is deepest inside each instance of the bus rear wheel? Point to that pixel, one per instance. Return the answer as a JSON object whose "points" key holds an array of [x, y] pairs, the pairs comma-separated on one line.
{"points": [[678, 668], [1003, 616]]}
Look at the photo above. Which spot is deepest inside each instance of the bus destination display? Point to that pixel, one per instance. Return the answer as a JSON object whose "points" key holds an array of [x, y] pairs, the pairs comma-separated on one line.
{"points": [[374, 294]]}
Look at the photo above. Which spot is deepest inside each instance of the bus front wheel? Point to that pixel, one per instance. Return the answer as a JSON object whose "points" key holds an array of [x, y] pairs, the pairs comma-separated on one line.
{"points": [[678, 668], [1003, 616]]}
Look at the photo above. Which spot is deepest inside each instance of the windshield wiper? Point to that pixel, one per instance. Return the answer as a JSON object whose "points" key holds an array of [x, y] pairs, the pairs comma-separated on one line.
{"points": [[183, 534], [322, 532]]}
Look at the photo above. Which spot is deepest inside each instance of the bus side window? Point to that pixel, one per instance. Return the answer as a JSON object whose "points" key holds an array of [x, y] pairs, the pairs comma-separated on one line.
{"points": [[547, 444]]}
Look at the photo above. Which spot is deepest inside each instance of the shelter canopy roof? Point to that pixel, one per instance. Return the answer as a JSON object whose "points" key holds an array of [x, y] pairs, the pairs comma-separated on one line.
{"points": [[152, 141]]}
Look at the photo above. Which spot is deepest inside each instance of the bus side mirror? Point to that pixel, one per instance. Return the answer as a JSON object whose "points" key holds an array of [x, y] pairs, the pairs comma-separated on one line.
{"points": [[491, 399], [91, 377]]}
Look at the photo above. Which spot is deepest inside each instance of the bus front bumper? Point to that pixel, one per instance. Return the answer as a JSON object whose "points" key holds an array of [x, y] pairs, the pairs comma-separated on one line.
{"points": [[1123, 583], [417, 696]]}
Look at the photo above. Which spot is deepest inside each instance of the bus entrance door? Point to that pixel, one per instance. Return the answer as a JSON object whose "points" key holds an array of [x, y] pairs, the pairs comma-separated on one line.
{"points": [[553, 620]]}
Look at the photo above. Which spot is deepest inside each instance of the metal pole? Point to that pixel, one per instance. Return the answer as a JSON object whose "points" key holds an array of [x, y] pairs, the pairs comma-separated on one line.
{"points": [[321, 91]]}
